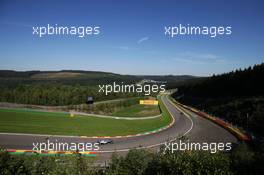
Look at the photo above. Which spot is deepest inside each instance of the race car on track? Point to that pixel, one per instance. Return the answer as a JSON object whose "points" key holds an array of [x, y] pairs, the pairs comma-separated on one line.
{"points": [[105, 141]]}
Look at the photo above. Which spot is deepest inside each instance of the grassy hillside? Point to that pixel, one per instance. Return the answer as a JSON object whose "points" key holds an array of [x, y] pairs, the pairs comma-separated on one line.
{"points": [[138, 111], [37, 122]]}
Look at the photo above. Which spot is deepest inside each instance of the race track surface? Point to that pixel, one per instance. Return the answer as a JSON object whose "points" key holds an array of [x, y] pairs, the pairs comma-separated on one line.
{"points": [[195, 128]]}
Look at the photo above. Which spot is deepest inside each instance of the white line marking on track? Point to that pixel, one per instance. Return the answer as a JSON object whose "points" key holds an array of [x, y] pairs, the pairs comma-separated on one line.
{"points": [[122, 150], [158, 144]]}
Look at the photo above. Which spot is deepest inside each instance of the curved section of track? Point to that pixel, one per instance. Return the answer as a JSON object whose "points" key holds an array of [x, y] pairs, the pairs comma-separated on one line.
{"points": [[196, 128]]}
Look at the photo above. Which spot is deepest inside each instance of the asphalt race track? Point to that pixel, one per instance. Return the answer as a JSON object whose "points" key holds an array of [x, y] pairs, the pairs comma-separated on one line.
{"points": [[195, 128]]}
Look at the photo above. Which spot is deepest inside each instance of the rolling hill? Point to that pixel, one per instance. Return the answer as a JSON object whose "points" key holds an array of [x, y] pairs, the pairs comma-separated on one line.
{"points": [[67, 87]]}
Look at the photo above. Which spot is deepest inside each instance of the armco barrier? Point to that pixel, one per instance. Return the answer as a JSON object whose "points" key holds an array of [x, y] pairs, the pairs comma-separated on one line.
{"points": [[239, 134]]}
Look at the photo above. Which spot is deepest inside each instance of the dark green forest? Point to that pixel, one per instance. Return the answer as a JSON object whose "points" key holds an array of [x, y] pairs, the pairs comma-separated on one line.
{"points": [[55, 94], [57, 87], [237, 97], [66, 87]]}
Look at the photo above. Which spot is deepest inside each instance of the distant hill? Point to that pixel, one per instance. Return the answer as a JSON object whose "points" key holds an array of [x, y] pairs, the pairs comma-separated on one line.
{"points": [[67, 87], [167, 77], [49, 74], [16, 74], [67, 77], [57, 75], [83, 77]]}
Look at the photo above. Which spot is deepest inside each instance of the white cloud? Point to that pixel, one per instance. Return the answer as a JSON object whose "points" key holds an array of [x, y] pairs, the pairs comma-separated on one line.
{"points": [[204, 56], [189, 61], [142, 40], [198, 58], [124, 48]]}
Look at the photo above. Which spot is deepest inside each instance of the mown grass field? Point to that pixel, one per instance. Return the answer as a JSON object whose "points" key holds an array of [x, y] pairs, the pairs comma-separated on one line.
{"points": [[138, 111], [35, 122]]}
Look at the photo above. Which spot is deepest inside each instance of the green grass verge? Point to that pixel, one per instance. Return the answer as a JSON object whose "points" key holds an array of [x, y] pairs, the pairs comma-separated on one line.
{"points": [[165, 112], [138, 111], [35, 122]]}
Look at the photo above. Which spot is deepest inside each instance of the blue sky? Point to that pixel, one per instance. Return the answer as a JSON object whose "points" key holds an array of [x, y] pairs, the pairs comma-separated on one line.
{"points": [[132, 39]]}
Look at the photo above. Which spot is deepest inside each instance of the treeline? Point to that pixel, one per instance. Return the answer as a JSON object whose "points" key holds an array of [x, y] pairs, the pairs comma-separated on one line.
{"points": [[58, 87], [239, 83], [107, 107], [237, 97], [67, 87], [55, 94], [81, 74], [240, 161], [11, 73], [91, 79]]}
